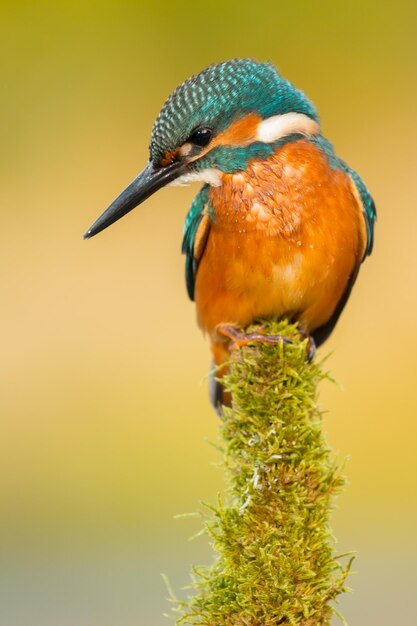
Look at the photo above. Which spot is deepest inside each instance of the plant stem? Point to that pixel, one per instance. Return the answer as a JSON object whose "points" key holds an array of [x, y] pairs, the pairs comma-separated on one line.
{"points": [[275, 562]]}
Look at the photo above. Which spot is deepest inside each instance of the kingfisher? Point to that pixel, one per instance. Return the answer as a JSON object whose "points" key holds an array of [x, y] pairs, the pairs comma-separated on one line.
{"points": [[280, 226]]}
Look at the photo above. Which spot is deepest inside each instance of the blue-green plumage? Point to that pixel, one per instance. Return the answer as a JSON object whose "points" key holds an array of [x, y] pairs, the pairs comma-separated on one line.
{"points": [[231, 159], [369, 208], [192, 222], [221, 93]]}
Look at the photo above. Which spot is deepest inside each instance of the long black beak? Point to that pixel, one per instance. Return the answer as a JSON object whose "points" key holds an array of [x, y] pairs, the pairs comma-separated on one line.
{"points": [[145, 184]]}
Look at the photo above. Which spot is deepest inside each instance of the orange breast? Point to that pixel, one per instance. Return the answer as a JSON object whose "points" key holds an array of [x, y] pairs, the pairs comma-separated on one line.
{"points": [[287, 235]]}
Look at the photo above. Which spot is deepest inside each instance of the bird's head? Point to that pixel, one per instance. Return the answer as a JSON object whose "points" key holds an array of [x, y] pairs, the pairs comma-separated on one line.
{"points": [[213, 123]]}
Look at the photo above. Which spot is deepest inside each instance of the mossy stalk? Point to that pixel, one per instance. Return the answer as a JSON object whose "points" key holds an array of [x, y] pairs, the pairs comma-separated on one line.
{"points": [[275, 561]]}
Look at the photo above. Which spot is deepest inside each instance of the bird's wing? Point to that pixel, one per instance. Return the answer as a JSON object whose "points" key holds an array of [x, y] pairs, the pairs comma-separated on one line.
{"points": [[196, 230], [359, 189], [368, 207], [366, 203]]}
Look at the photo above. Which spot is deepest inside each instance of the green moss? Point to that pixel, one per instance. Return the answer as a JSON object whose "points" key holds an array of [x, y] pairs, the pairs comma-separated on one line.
{"points": [[274, 551]]}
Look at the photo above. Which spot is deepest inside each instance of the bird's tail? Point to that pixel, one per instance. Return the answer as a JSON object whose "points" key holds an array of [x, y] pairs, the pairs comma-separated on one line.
{"points": [[216, 392], [218, 396]]}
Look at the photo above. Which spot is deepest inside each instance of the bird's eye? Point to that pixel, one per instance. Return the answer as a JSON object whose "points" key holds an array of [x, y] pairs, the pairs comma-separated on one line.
{"points": [[201, 137]]}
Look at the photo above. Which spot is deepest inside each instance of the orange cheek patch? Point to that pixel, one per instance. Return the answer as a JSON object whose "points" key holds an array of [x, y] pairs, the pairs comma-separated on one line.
{"points": [[242, 132]]}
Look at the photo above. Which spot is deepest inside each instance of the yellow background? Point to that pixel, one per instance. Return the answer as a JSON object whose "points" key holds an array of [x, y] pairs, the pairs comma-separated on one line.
{"points": [[104, 423]]}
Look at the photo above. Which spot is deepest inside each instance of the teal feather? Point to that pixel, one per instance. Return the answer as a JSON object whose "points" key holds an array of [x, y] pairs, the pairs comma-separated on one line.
{"points": [[231, 159], [369, 208], [220, 94], [325, 146], [192, 222]]}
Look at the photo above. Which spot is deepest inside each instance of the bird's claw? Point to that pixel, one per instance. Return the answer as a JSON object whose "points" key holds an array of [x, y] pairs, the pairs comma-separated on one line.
{"points": [[311, 345], [239, 338]]}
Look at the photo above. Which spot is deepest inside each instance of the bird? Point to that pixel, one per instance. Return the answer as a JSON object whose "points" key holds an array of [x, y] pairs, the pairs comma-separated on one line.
{"points": [[280, 225]]}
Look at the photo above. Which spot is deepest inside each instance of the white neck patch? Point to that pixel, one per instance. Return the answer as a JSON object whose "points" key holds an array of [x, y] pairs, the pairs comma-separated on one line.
{"points": [[210, 175], [278, 126]]}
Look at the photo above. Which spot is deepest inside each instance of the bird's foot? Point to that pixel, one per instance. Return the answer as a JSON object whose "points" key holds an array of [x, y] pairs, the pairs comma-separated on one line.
{"points": [[239, 338], [311, 345]]}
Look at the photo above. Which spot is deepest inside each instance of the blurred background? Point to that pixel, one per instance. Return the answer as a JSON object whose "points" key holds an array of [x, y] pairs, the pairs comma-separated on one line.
{"points": [[104, 418]]}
